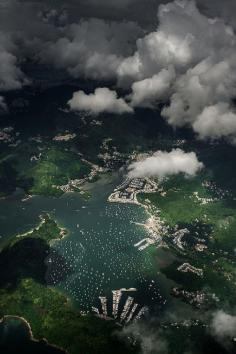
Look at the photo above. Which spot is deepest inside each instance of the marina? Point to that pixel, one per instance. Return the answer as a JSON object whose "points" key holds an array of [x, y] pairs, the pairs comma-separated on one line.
{"points": [[98, 251], [122, 312]]}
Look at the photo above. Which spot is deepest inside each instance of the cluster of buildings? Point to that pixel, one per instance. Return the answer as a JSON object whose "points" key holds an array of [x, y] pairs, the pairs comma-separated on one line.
{"points": [[128, 190], [71, 186], [122, 312], [64, 137], [178, 238], [204, 201], [211, 186], [197, 299], [7, 136], [188, 268], [112, 162], [103, 300], [200, 247], [218, 193], [75, 184], [111, 158], [141, 245]]}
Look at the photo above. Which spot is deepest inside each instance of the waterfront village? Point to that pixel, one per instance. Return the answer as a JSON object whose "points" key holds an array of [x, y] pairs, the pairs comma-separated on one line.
{"points": [[127, 192], [75, 184], [198, 299], [188, 268]]}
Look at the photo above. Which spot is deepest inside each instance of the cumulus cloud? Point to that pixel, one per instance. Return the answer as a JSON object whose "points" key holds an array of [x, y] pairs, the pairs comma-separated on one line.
{"points": [[93, 48], [183, 38], [163, 164], [186, 61], [207, 84], [11, 76], [223, 325], [151, 91], [184, 58], [102, 100], [201, 52], [216, 121]]}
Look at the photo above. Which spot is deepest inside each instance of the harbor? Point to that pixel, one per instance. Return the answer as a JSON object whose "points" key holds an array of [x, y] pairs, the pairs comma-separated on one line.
{"points": [[98, 252], [122, 312]]}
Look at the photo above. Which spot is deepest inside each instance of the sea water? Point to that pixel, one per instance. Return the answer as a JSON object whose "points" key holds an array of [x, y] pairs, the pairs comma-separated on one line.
{"points": [[99, 249]]}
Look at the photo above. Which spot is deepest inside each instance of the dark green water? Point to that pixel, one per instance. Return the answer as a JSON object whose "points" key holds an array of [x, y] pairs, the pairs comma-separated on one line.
{"points": [[99, 249]]}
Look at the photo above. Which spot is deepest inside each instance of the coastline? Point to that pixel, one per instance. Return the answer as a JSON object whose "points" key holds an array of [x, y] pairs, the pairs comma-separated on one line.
{"points": [[124, 194], [4, 321], [62, 233]]}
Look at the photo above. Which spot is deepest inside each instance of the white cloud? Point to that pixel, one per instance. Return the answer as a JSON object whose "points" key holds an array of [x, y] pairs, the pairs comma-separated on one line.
{"points": [[148, 92], [102, 100], [201, 52], [216, 121], [163, 164], [205, 85], [183, 38], [223, 325]]}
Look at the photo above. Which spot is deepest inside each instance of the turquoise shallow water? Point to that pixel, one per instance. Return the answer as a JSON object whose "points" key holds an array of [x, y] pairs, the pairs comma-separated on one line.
{"points": [[99, 250]]}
